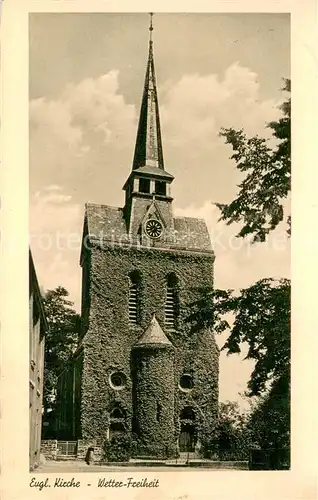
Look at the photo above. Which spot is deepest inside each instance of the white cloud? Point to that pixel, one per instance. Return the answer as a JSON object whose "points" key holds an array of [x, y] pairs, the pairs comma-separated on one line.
{"points": [[92, 105], [196, 107], [193, 111], [55, 236], [83, 139], [55, 117], [51, 210], [96, 106], [84, 134], [238, 262], [63, 272]]}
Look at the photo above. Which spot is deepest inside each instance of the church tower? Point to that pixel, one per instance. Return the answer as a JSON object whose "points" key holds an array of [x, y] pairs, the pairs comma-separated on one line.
{"points": [[148, 180], [141, 368]]}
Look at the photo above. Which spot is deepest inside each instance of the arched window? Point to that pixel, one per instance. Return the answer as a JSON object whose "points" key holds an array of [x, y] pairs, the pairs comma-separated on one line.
{"points": [[117, 422], [133, 302], [171, 307], [187, 413], [116, 414]]}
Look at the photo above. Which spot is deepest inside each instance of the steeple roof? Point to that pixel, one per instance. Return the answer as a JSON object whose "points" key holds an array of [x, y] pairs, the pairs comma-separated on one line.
{"points": [[153, 335], [148, 149]]}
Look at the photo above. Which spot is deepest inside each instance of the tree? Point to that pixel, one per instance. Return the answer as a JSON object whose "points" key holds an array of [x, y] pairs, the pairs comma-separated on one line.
{"points": [[61, 339], [258, 204], [261, 312], [230, 439], [261, 320], [233, 442], [269, 421]]}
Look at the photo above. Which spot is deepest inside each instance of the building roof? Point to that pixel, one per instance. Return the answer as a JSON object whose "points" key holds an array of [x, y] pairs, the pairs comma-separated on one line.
{"points": [[153, 335], [148, 150], [154, 171], [34, 289], [150, 171], [107, 224]]}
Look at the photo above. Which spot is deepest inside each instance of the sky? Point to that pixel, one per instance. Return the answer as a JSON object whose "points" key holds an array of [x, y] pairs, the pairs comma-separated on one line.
{"points": [[85, 86]]}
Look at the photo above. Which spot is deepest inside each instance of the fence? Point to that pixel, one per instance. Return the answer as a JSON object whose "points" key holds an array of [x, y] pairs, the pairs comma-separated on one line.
{"points": [[67, 448]]}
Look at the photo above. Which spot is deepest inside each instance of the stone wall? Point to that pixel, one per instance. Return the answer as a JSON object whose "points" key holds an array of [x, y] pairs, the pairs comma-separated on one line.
{"points": [[49, 449], [109, 340], [84, 445]]}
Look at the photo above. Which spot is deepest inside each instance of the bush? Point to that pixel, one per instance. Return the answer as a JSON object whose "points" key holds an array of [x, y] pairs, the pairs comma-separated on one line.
{"points": [[119, 449], [270, 459]]}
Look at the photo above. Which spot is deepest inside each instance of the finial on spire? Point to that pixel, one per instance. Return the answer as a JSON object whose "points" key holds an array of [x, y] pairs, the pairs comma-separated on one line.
{"points": [[151, 26]]}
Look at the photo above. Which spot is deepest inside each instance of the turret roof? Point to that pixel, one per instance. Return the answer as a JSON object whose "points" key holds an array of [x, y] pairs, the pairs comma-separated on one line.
{"points": [[153, 335]]}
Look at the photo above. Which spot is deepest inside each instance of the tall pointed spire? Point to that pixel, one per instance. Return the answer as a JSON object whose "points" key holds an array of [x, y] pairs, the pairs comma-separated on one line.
{"points": [[148, 149]]}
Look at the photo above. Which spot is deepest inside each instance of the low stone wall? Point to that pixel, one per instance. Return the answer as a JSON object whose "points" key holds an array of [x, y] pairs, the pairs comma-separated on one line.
{"points": [[49, 449], [83, 446]]}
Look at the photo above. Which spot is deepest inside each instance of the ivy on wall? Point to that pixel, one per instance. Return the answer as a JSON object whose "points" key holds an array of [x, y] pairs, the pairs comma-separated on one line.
{"points": [[152, 377], [153, 399]]}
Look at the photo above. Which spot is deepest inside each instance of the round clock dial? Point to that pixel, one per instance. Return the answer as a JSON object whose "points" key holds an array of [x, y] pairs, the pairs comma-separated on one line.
{"points": [[153, 228]]}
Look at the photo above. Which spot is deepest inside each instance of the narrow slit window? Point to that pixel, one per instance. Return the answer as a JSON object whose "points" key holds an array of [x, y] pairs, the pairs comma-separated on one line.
{"points": [[171, 303], [158, 415], [133, 298], [158, 412]]}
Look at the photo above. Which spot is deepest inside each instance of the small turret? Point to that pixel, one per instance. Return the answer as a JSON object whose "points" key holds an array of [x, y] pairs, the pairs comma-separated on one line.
{"points": [[153, 391]]}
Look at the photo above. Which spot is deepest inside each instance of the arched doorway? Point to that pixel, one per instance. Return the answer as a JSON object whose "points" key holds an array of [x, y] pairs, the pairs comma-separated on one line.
{"points": [[116, 429], [187, 437]]}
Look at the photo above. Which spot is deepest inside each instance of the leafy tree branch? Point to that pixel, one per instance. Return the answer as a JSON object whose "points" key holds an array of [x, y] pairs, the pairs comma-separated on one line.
{"points": [[259, 203]]}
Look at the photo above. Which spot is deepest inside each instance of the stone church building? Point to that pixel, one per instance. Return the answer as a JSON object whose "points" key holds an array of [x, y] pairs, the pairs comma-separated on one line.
{"points": [[140, 368]]}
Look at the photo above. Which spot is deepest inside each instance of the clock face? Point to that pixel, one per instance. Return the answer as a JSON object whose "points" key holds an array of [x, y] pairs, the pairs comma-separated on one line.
{"points": [[153, 228]]}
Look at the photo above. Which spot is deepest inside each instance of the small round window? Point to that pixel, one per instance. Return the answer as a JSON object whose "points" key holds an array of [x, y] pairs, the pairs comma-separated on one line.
{"points": [[117, 380], [186, 382]]}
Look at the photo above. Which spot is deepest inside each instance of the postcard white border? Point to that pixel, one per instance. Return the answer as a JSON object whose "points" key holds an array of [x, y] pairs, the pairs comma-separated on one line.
{"points": [[300, 481]]}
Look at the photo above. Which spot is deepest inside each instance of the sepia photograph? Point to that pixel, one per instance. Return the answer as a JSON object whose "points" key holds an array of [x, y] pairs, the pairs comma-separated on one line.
{"points": [[159, 242]]}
